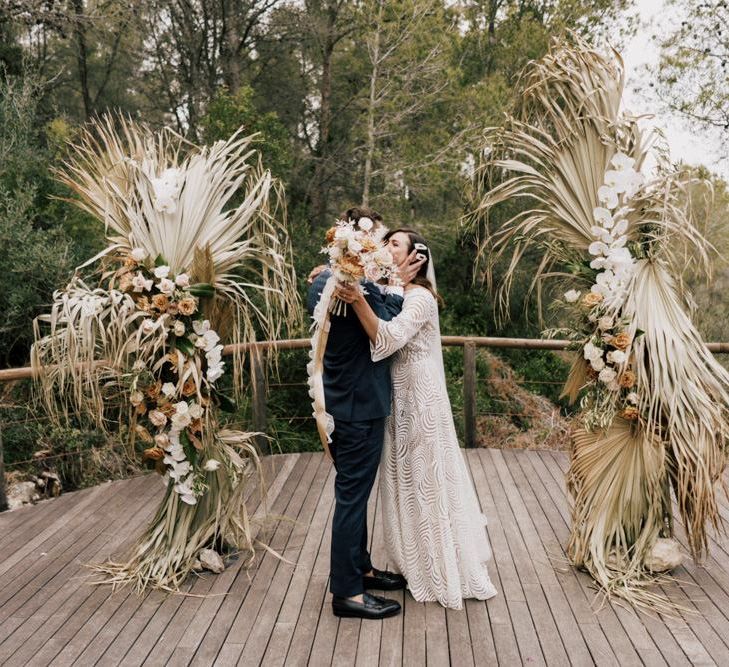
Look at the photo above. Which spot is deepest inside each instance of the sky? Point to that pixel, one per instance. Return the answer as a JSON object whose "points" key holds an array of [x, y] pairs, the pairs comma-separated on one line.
{"points": [[689, 145]]}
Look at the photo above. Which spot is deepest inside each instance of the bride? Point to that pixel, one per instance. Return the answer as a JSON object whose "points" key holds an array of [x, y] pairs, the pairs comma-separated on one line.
{"points": [[434, 530]]}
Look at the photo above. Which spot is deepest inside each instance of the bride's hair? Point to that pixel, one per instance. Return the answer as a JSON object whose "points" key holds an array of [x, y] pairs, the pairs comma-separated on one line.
{"points": [[421, 276]]}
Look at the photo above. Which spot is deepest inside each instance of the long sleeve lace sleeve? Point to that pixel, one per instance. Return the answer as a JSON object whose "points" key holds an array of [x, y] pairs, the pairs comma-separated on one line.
{"points": [[418, 308]]}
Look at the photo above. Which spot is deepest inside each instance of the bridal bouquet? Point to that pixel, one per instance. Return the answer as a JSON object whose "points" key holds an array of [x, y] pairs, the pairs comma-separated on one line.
{"points": [[356, 251], [142, 352], [654, 412]]}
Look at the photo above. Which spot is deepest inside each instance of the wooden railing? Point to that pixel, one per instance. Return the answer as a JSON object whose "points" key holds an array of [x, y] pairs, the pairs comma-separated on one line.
{"points": [[257, 352]]}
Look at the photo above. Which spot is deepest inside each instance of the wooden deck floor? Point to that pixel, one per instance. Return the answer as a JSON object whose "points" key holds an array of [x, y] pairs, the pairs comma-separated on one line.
{"points": [[275, 613]]}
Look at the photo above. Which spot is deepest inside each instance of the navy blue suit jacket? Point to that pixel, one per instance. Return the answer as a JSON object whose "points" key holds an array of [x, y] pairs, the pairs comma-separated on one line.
{"points": [[355, 387]]}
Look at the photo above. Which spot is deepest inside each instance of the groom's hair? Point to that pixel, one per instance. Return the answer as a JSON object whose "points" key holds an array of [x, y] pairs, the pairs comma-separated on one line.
{"points": [[357, 212], [421, 277]]}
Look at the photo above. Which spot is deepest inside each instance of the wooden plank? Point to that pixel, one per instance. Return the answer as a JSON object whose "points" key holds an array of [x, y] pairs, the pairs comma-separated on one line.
{"points": [[348, 632], [502, 631], [126, 636], [598, 639], [17, 524], [413, 643], [74, 599], [553, 533], [458, 637], [255, 578], [511, 556], [254, 613], [306, 625], [51, 570], [263, 629], [91, 501], [436, 635], [291, 610], [527, 515], [46, 590]]}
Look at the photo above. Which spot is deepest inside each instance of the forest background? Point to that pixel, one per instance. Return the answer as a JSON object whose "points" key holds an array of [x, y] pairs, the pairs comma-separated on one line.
{"points": [[372, 102]]}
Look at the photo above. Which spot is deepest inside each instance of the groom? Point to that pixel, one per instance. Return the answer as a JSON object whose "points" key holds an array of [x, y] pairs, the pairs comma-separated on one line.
{"points": [[357, 394]]}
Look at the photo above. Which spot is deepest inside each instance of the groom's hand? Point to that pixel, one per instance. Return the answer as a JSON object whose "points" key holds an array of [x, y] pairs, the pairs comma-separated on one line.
{"points": [[410, 267], [315, 272]]}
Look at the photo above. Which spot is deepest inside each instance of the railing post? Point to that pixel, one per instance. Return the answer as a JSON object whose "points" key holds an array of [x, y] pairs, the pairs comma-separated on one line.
{"points": [[469, 393], [258, 390], [3, 494]]}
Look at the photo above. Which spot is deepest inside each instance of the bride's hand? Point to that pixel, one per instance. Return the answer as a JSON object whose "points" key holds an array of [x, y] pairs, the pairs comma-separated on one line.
{"points": [[410, 266], [349, 293]]}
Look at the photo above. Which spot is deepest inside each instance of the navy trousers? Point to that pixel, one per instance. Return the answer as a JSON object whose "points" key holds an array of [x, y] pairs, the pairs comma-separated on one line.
{"points": [[356, 448]]}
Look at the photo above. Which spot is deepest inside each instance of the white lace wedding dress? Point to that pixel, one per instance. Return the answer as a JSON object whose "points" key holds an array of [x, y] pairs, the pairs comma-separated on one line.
{"points": [[434, 529]]}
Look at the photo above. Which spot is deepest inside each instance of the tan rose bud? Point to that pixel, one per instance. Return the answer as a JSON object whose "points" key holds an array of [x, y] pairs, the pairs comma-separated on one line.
{"points": [[630, 412], [153, 454], [143, 434], [330, 234], [189, 388], [154, 390]]}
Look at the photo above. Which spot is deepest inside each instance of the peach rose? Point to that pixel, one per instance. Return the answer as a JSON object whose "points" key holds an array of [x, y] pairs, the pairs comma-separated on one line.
{"points": [[187, 306], [621, 341], [160, 302], [591, 299], [330, 234], [351, 265], [627, 379]]}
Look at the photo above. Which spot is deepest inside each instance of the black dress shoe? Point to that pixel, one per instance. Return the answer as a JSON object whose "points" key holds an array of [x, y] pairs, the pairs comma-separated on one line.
{"points": [[371, 606], [384, 581]]}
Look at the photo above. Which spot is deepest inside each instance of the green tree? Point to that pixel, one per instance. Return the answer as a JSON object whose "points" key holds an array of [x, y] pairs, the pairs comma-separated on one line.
{"points": [[692, 74], [229, 111]]}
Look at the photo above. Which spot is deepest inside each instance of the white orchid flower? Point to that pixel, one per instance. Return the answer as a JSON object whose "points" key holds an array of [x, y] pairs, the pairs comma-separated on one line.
{"points": [[621, 161], [571, 296], [162, 271], [607, 196], [603, 217]]}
